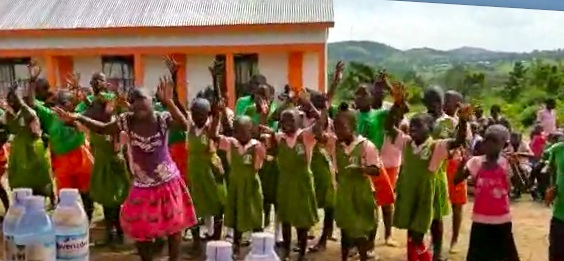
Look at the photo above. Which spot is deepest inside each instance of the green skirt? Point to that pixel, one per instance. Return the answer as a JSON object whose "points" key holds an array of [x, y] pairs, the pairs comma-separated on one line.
{"points": [[207, 189], [109, 183], [441, 205], [268, 178], [295, 200], [413, 209], [244, 206], [355, 211], [29, 165], [323, 180]]}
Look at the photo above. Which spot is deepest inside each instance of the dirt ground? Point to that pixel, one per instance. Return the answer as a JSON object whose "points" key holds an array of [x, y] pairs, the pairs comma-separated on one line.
{"points": [[530, 228]]}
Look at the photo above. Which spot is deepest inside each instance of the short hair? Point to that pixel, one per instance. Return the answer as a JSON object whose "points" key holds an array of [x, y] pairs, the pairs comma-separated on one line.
{"points": [[423, 118], [498, 130], [434, 92]]}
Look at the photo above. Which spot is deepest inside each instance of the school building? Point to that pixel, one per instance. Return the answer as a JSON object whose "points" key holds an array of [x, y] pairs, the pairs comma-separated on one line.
{"points": [[284, 40]]}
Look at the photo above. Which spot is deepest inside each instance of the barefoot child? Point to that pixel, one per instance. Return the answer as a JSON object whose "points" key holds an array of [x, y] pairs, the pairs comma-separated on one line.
{"points": [[417, 182], [296, 202], [158, 203], [356, 159], [243, 210], [491, 238]]}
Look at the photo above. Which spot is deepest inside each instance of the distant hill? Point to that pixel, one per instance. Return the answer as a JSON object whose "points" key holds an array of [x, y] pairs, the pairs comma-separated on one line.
{"points": [[425, 59]]}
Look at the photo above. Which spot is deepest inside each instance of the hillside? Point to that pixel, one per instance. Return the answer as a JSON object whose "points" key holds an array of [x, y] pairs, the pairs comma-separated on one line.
{"points": [[427, 59]]}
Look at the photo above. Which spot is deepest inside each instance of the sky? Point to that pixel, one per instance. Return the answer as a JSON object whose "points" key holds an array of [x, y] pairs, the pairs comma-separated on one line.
{"points": [[406, 25]]}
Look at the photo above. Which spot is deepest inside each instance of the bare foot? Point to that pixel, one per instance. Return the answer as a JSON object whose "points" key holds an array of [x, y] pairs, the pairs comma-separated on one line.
{"points": [[454, 248], [391, 243]]}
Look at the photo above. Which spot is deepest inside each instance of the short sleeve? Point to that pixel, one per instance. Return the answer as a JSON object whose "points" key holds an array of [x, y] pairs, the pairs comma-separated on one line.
{"points": [[401, 140], [440, 153], [474, 164], [371, 156], [122, 121]]}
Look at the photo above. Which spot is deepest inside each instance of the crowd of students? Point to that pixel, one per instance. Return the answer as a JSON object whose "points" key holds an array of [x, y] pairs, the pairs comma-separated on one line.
{"points": [[293, 152]]}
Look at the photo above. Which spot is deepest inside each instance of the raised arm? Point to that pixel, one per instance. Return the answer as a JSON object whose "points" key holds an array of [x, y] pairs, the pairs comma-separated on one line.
{"points": [[109, 128], [337, 77], [165, 95], [464, 114]]}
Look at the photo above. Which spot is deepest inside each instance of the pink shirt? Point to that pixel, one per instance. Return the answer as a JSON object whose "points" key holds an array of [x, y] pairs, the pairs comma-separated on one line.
{"points": [[391, 155], [491, 193], [547, 119], [232, 145], [537, 144], [439, 155], [370, 154], [308, 139]]}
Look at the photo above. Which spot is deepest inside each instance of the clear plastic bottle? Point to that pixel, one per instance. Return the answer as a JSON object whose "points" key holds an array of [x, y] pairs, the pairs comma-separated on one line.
{"points": [[34, 234], [219, 251], [14, 213], [71, 227], [262, 248]]}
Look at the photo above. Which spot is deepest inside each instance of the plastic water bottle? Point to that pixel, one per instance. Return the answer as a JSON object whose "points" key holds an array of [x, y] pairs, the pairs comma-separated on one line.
{"points": [[14, 213], [219, 251], [262, 248], [34, 234], [71, 227]]}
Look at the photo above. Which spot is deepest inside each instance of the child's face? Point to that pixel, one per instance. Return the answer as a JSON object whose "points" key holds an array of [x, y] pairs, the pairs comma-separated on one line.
{"points": [[141, 105], [419, 131], [200, 116], [433, 104], [343, 130], [515, 138], [451, 104], [363, 99], [243, 131], [289, 122]]}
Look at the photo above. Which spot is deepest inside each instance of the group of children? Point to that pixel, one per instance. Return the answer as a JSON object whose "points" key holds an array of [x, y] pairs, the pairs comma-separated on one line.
{"points": [[294, 152]]}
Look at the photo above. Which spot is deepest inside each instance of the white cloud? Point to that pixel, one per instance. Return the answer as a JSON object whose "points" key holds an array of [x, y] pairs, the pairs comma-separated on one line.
{"points": [[407, 25]]}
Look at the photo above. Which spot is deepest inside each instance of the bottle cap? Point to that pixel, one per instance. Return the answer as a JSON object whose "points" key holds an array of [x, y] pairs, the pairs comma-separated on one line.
{"points": [[35, 202], [20, 194], [219, 251], [68, 195], [262, 244]]}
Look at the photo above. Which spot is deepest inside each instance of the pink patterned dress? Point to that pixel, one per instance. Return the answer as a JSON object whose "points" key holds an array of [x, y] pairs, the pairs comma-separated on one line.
{"points": [[159, 203]]}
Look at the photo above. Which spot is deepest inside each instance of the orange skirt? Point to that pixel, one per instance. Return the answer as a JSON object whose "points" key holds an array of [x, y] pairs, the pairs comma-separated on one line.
{"points": [[458, 194], [179, 154], [393, 175], [384, 190], [73, 169], [4, 151]]}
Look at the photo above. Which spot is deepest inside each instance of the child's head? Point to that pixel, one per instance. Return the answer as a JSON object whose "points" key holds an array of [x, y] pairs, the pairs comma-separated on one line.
{"points": [[64, 100], [243, 129], [478, 111], [515, 138], [318, 99], [141, 102], [495, 139], [420, 127], [262, 91], [550, 103], [554, 137], [12, 98], [290, 121], [433, 99], [495, 110], [452, 99], [537, 129], [345, 124], [42, 88], [98, 82], [363, 97], [200, 112], [378, 92], [475, 128]]}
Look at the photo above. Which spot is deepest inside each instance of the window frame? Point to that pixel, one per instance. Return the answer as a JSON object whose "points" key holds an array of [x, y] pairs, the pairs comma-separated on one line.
{"points": [[8, 68], [125, 80]]}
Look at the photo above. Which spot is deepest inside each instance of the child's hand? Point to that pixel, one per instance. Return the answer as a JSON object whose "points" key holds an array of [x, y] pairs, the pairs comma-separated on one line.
{"points": [[171, 64], [262, 106], [65, 115], [33, 70], [73, 81], [165, 89], [338, 74], [265, 129], [550, 195], [399, 94], [216, 68]]}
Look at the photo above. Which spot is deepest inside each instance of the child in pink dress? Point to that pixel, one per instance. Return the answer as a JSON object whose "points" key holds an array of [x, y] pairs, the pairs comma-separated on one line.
{"points": [[491, 237], [159, 204]]}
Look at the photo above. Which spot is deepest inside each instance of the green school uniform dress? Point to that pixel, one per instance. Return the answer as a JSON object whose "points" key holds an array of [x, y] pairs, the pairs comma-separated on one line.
{"points": [[269, 172], [444, 128], [29, 163], [206, 186], [295, 197], [415, 189], [110, 179], [323, 177], [355, 197], [556, 153], [244, 209]]}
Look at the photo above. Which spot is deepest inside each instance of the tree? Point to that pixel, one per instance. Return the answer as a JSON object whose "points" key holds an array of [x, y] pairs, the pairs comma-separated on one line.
{"points": [[515, 82]]}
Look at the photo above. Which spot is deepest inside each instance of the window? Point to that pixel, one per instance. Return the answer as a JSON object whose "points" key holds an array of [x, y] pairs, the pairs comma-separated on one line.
{"points": [[13, 70], [246, 65], [119, 71]]}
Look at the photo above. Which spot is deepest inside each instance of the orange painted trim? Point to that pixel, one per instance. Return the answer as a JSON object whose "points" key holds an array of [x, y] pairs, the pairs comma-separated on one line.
{"points": [[138, 69], [65, 66], [295, 69], [230, 80], [160, 50], [181, 78], [162, 30], [50, 70], [322, 69]]}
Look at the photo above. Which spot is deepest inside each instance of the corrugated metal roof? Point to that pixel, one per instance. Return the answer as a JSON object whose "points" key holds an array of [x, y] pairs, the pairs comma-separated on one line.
{"points": [[73, 14]]}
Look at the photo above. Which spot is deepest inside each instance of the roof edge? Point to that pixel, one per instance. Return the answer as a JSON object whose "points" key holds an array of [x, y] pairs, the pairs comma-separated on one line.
{"points": [[163, 30]]}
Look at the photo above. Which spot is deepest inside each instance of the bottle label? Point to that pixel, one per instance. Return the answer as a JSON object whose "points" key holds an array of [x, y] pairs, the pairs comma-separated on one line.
{"points": [[73, 247], [10, 248]]}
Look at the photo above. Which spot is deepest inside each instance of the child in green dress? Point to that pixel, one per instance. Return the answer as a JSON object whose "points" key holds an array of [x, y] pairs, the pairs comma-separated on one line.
{"points": [[204, 167], [243, 210], [296, 203], [417, 182], [356, 158]]}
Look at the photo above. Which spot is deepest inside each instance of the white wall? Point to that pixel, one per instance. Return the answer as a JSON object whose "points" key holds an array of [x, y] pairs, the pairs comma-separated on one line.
{"points": [[211, 39], [86, 66], [154, 69], [274, 66], [197, 74], [310, 71]]}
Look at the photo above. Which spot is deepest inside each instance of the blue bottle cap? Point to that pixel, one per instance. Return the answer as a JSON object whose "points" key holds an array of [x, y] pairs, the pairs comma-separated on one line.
{"points": [[35, 202], [69, 195], [20, 194]]}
